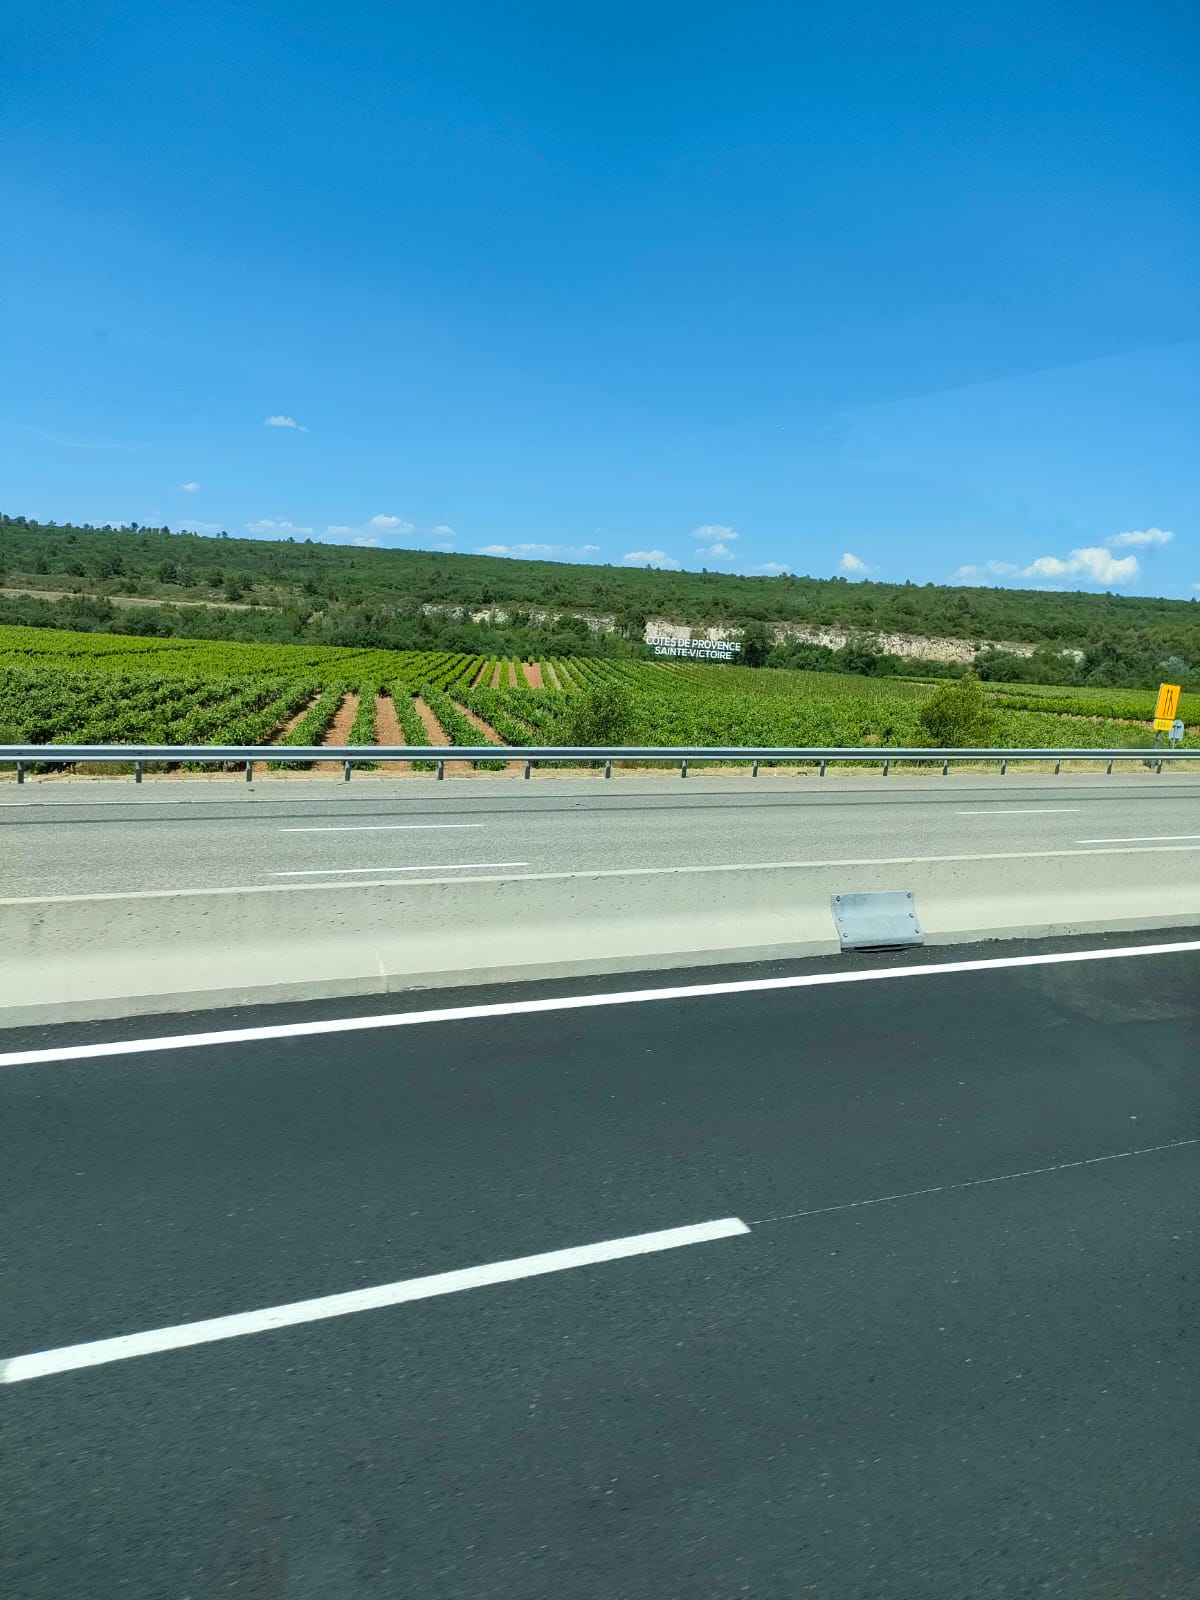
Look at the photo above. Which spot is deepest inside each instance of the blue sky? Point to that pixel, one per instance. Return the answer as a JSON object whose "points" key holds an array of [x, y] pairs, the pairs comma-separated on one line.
{"points": [[888, 290]]}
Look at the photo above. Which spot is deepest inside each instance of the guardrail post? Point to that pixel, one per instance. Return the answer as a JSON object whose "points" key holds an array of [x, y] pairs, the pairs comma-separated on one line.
{"points": [[683, 768], [945, 765], [441, 770], [137, 772], [886, 765], [249, 772], [822, 766], [1057, 768], [754, 770], [1003, 768], [528, 768], [608, 769], [20, 772], [345, 772], [1110, 767]]}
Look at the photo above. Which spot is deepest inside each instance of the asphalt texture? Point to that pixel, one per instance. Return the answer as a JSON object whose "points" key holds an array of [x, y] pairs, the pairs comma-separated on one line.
{"points": [[62, 837], [957, 1354]]}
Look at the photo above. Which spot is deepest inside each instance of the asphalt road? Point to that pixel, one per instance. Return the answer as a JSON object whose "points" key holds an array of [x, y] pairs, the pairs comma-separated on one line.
{"points": [[82, 838], [955, 1354]]}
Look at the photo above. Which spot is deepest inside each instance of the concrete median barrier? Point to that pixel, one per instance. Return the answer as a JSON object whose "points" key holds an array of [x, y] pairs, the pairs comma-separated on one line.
{"points": [[76, 957]]}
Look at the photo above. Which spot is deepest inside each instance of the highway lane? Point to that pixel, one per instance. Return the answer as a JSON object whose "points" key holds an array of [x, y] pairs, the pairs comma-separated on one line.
{"points": [[957, 1351], [63, 838]]}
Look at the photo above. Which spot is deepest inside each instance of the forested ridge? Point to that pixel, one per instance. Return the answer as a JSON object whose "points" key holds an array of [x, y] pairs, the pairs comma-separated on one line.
{"points": [[222, 587]]}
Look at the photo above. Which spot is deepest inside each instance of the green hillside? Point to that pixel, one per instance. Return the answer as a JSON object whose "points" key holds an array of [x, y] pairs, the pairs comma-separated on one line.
{"points": [[151, 581]]}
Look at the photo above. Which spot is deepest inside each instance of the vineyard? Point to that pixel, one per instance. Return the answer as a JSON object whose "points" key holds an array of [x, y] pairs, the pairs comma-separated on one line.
{"points": [[60, 687]]}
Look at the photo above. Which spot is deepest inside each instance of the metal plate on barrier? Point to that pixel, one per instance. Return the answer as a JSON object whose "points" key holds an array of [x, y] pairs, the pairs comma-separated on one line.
{"points": [[886, 920]]}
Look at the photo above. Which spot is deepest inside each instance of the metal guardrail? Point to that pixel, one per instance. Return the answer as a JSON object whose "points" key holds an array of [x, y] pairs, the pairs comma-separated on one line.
{"points": [[140, 755]]}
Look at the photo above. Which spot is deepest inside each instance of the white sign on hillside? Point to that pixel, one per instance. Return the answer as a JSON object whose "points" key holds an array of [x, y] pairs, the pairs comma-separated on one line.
{"points": [[696, 649]]}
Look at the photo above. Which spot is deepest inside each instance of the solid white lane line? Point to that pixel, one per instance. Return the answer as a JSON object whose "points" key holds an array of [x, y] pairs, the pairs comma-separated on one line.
{"points": [[576, 1002], [1148, 838], [68, 1358], [384, 827], [978, 1183], [465, 866], [1035, 811]]}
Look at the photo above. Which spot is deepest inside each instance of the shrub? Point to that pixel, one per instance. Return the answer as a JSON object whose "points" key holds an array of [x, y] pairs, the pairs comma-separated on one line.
{"points": [[599, 715], [957, 715]]}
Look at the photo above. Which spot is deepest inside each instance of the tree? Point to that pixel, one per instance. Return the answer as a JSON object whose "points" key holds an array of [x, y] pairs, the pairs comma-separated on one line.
{"points": [[999, 666], [859, 655], [757, 644], [631, 622], [957, 715], [799, 655]]}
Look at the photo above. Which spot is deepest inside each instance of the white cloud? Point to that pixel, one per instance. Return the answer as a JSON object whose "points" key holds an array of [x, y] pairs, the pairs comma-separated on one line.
{"points": [[371, 534], [1092, 562], [1139, 539], [382, 530], [651, 558], [772, 569], [191, 526], [990, 569], [851, 563], [280, 527], [284, 422], [190, 488], [721, 551], [715, 532], [560, 552]]}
